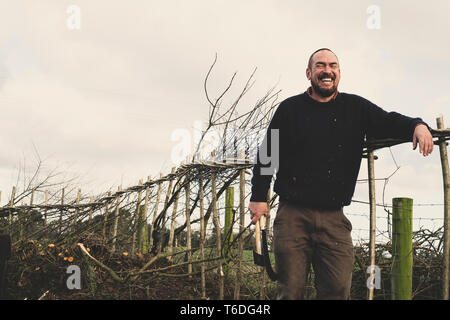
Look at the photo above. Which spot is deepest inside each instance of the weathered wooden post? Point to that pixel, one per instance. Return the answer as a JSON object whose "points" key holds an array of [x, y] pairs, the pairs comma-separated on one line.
{"points": [[155, 211], [228, 226], [116, 219], [136, 221], [105, 220], [172, 222], [202, 236], [11, 205], [229, 216], [144, 219], [188, 223], [32, 197], [166, 202], [77, 210], [402, 258], [46, 204], [61, 211], [20, 218], [237, 286], [371, 174], [446, 182], [265, 223], [219, 240], [91, 201]]}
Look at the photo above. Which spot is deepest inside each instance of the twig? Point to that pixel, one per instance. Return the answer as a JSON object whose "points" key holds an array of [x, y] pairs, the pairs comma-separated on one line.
{"points": [[111, 271]]}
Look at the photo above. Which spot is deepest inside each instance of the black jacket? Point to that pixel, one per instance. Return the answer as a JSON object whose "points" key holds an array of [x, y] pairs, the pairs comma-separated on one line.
{"points": [[320, 148]]}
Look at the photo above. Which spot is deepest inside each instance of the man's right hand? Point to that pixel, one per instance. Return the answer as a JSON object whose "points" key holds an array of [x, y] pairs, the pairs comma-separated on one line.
{"points": [[257, 209]]}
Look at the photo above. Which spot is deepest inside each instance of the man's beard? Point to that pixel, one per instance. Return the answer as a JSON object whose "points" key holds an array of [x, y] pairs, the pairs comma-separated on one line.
{"points": [[325, 93]]}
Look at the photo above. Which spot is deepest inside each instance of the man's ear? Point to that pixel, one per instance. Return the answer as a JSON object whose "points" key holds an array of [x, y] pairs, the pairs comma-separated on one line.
{"points": [[308, 73]]}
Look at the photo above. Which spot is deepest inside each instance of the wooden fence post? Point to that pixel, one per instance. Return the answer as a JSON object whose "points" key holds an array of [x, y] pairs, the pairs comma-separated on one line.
{"points": [[144, 219], [61, 211], [202, 237], [136, 222], [172, 222], [446, 182], [46, 204], [91, 200], [32, 197], [372, 199], [402, 258], [11, 205], [105, 220], [116, 219], [218, 231], [166, 202], [237, 286], [266, 221], [74, 224], [228, 229], [188, 224], [155, 211]]}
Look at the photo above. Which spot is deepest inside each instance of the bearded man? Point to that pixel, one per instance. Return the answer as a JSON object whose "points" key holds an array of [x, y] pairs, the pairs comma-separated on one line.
{"points": [[320, 142]]}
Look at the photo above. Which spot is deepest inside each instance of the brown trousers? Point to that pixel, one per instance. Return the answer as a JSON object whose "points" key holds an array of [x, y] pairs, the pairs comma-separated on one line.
{"points": [[305, 236]]}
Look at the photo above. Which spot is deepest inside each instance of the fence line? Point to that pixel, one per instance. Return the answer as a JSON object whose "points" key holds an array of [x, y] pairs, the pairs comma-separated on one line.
{"points": [[201, 181]]}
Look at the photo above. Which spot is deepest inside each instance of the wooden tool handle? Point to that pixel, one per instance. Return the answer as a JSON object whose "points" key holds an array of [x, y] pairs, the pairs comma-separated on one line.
{"points": [[260, 224], [258, 237]]}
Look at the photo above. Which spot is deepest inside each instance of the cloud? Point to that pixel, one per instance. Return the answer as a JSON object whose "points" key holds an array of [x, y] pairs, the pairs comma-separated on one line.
{"points": [[107, 98]]}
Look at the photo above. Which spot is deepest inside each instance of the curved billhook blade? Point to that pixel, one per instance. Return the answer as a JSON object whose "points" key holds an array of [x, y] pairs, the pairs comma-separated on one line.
{"points": [[261, 255]]}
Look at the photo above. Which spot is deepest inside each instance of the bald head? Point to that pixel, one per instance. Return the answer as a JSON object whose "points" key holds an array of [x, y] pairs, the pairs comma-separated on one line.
{"points": [[310, 61]]}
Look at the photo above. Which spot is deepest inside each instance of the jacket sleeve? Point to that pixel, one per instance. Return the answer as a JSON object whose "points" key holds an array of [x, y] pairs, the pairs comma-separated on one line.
{"points": [[380, 124], [267, 157]]}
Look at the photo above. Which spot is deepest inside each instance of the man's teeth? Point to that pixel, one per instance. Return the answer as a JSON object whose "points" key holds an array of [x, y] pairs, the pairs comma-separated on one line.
{"points": [[326, 80]]}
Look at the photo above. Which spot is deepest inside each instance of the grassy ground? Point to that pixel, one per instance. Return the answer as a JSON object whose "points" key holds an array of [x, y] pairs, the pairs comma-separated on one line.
{"points": [[251, 274]]}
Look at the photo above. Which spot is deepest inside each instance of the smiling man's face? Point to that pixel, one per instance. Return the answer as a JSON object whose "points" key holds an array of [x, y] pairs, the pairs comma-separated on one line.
{"points": [[324, 73]]}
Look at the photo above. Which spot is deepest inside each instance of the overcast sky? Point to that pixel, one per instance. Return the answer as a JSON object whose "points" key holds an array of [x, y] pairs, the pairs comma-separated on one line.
{"points": [[101, 101]]}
